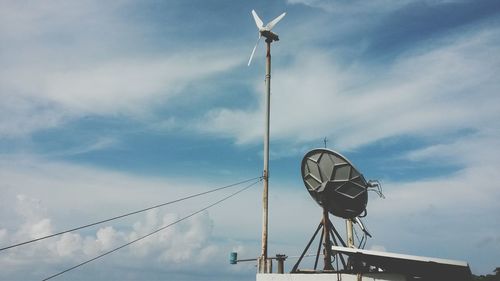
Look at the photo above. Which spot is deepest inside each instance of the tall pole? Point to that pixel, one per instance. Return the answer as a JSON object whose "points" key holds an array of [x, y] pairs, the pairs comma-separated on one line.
{"points": [[263, 264]]}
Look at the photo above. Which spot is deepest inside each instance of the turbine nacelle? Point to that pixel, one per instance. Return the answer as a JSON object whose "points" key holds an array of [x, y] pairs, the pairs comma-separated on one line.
{"points": [[265, 31], [269, 35]]}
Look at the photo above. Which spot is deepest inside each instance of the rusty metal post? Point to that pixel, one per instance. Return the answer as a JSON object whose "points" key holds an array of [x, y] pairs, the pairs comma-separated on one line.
{"points": [[350, 236], [281, 263], [263, 265], [327, 242]]}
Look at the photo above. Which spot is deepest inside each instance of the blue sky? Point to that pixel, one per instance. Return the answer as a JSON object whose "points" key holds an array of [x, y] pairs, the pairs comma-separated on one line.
{"points": [[108, 107]]}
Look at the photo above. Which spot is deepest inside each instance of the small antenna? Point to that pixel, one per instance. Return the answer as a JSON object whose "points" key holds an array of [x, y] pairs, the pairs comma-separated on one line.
{"points": [[325, 141]]}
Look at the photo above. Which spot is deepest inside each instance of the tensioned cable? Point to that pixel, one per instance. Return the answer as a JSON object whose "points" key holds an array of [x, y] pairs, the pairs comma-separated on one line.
{"points": [[364, 238], [357, 237], [129, 214], [156, 231]]}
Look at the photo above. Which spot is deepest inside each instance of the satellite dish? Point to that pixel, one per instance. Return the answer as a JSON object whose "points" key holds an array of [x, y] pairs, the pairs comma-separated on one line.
{"points": [[334, 183]]}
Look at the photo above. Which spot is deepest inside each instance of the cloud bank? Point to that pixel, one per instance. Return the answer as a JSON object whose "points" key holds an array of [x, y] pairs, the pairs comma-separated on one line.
{"points": [[423, 92]]}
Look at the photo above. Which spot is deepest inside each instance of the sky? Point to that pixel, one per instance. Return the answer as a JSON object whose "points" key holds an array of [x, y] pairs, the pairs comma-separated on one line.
{"points": [[107, 107]]}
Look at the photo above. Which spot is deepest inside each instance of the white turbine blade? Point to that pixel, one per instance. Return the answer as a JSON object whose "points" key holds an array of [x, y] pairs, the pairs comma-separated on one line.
{"points": [[253, 52], [272, 23], [258, 21]]}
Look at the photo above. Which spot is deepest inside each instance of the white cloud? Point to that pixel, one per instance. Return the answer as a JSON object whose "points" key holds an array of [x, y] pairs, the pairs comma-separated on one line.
{"points": [[63, 61], [434, 217], [68, 244], [470, 187], [473, 150], [29, 208], [110, 88], [452, 207], [130, 85], [41, 228], [93, 194], [441, 199], [187, 241], [21, 116], [352, 6], [108, 238], [3, 236], [423, 93], [364, 7]]}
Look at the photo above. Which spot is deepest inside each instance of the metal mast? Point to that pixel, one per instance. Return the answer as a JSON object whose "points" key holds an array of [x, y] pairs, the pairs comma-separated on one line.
{"points": [[264, 266], [263, 262]]}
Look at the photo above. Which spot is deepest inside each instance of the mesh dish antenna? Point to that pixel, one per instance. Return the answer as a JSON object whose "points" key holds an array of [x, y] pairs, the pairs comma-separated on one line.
{"points": [[334, 183]]}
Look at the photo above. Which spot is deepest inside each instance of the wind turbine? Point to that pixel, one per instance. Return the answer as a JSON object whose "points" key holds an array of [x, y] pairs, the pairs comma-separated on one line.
{"points": [[265, 31]]}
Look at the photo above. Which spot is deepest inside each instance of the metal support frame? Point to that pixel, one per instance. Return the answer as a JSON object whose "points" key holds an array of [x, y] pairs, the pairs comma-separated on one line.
{"points": [[318, 251], [342, 260], [328, 232], [296, 266], [327, 250]]}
